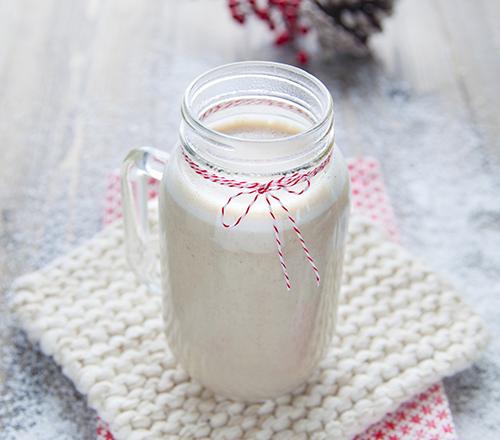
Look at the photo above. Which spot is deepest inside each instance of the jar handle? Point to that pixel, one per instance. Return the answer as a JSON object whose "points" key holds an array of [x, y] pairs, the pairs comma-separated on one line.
{"points": [[139, 166]]}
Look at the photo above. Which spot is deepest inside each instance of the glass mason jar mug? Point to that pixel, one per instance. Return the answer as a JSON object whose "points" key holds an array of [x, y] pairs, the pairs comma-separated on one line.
{"points": [[253, 212]]}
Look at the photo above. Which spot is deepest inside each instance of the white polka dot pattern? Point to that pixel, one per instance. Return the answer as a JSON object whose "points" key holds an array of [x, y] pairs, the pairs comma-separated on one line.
{"points": [[400, 330]]}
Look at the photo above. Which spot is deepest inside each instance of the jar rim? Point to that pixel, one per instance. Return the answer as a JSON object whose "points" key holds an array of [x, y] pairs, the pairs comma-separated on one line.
{"points": [[196, 123], [294, 89]]}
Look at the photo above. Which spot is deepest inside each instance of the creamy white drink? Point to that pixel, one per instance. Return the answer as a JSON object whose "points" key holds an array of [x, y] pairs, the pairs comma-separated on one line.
{"points": [[230, 321]]}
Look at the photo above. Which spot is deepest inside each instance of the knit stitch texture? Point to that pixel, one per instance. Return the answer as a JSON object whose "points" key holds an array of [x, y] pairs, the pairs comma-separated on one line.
{"points": [[426, 416], [400, 330]]}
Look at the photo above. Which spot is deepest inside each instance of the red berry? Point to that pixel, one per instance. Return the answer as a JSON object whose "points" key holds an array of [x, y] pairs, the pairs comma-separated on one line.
{"points": [[291, 12], [302, 57], [262, 14], [240, 18], [280, 4], [282, 38]]}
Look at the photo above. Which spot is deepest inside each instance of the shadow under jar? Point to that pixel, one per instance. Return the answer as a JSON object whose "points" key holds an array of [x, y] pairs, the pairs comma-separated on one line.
{"points": [[253, 212]]}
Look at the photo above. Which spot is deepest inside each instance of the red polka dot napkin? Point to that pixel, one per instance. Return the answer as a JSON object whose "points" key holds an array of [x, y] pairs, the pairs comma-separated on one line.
{"points": [[425, 417]]}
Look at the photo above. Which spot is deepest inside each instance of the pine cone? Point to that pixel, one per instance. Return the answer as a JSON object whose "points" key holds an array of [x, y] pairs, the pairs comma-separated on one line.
{"points": [[346, 25]]}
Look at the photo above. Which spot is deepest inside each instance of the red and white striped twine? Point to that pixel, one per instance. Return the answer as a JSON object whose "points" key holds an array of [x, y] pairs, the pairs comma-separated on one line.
{"points": [[266, 189], [252, 101]]}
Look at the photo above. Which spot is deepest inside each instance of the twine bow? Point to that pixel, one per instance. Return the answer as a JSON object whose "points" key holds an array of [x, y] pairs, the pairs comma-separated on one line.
{"points": [[267, 190]]}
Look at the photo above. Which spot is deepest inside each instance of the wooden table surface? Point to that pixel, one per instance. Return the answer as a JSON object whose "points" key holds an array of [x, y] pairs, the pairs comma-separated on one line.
{"points": [[81, 82]]}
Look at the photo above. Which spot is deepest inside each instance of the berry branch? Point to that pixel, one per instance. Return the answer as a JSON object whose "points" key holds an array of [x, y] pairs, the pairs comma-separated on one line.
{"points": [[281, 16], [339, 24]]}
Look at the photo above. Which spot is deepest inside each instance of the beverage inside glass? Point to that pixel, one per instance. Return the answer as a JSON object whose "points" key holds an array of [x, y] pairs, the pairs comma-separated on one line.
{"points": [[253, 213]]}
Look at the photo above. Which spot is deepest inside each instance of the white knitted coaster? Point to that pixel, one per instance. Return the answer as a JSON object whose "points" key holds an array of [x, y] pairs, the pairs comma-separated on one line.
{"points": [[400, 329]]}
